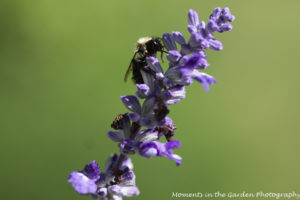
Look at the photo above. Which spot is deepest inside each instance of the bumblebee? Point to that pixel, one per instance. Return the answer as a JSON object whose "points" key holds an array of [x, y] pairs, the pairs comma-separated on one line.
{"points": [[146, 46]]}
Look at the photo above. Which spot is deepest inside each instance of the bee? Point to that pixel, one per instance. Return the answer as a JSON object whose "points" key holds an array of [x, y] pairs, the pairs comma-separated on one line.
{"points": [[146, 46]]}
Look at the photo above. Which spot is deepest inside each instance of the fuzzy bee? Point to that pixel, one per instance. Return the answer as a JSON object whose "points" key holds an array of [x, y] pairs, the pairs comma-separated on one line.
{"points": [[146, 46]]}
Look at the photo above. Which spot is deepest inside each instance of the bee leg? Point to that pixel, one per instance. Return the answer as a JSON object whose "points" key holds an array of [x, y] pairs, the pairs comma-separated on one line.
{"points": [[161, 54]]}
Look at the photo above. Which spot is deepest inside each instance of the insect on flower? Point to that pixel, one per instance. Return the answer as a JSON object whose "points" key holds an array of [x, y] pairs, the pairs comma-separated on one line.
{"points": [[146, 46], [139, 131]]}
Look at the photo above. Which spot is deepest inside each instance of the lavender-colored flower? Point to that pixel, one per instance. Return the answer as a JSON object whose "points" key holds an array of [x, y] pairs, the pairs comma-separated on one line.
{"points": [[109, 185], [84, 182], [202, 34], [184, 74], [147, 113], [152, 149], [149, 137], [218, 20]]}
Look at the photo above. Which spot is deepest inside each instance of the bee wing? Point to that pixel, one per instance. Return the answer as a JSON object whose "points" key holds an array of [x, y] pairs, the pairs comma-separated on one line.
{"points": [[129, 70]]}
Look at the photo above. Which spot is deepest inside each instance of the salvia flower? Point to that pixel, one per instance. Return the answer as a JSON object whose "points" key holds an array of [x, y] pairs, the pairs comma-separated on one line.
{"points": [[110, 184], [145, 141], [141, 130], [154, 148]]}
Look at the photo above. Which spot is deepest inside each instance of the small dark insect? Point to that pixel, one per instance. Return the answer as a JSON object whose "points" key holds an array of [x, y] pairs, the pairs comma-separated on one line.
{"points": [[162, 109], [117, 123], [118, 176], [146, 46], [168, 131]]}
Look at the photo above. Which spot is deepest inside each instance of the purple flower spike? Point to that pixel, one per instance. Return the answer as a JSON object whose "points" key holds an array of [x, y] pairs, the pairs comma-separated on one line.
{"points": [[218, 19], [142, 129], [111, 184], [227, 15]]}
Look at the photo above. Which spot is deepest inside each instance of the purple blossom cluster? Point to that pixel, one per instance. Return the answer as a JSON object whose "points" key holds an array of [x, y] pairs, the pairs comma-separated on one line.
{"points": [[140, 130], [106, 185]]}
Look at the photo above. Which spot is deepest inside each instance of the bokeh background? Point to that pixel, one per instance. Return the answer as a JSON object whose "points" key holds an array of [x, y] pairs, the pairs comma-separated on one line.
{"points": [[62, 65]]}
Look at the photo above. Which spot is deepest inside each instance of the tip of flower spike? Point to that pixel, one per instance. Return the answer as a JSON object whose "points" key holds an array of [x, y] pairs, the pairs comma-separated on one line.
{"points": [[227, 14], [216, 12]]}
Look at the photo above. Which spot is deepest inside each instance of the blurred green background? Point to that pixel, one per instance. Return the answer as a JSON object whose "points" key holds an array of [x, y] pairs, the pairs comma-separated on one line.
{"points": [[62, 65]]}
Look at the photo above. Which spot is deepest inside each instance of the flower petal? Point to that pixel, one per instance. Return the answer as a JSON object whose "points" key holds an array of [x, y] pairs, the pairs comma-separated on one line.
{"points": [[148, 149], [91, 170], [143, 90], [204, 78], [127, 191], [131, 103], [82, 184], [148, 106], [178, 37], [169, 41], [102, 192], [128, 179], [193, 18], [115, 136], [147, 135], [154, 64], [173, 56], [215, 45]]}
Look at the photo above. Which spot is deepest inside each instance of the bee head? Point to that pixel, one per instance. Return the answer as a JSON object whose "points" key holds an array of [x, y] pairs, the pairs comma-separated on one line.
{"points": [[154, 45]]}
